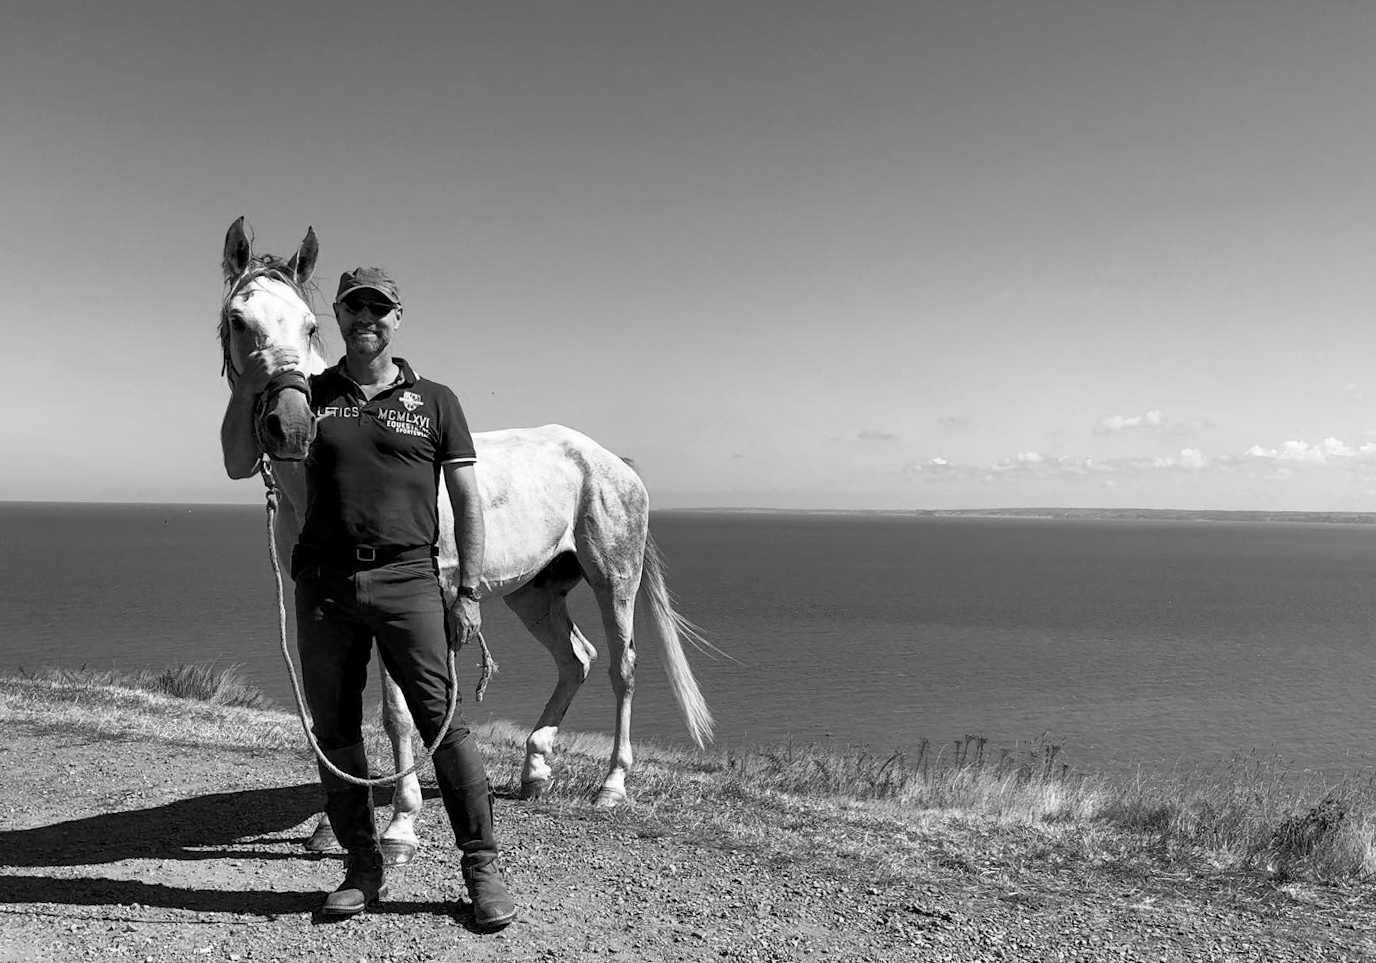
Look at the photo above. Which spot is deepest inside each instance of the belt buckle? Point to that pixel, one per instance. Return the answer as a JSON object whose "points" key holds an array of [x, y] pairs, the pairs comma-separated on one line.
{"points": [[365, 553]]}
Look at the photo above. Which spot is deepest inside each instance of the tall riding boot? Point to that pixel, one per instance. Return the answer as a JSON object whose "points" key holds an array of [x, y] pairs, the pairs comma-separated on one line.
{"points": [[350, 809], [468, 801]]}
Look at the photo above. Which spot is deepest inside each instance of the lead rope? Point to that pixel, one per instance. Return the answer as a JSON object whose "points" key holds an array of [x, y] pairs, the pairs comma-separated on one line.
{"points": [[273, 494]]}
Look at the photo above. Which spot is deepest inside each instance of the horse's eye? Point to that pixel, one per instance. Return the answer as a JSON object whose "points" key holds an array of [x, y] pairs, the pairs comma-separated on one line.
{"points": [[311, 329], [237, 323]]}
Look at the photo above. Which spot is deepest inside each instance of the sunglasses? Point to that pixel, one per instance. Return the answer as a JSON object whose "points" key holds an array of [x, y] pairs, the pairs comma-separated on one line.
{"points": [[377, 309]]}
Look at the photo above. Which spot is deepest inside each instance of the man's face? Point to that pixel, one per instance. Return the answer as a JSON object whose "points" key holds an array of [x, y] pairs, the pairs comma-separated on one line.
{"points": [[367, 320]]}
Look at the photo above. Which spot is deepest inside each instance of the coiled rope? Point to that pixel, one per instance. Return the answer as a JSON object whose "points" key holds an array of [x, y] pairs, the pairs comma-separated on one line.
{"points": [[489, 666]]}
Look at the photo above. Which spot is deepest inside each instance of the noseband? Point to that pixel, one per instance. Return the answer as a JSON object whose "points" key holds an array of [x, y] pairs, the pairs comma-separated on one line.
{"points": [[282, 381]]}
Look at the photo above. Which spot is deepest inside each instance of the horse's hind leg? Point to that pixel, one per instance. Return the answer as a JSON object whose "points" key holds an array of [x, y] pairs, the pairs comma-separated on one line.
{"points": [[543, 606], [616, 599], [399, 841]]}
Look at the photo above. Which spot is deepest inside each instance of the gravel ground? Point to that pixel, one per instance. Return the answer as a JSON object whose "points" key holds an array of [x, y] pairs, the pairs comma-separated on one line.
{"points": [[124, 850]]}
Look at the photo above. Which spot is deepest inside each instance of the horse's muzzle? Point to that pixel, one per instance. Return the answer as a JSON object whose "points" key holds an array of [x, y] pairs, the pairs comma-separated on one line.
{"points": [[285, 429]]}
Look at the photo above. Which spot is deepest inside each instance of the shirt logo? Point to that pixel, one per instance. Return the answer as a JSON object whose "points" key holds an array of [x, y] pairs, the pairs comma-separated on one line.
{"points": [[405, 422], [411, 400]]}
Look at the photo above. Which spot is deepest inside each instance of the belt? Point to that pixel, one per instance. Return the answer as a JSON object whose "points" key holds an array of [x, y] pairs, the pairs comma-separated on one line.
{"points": [[357, 558]]}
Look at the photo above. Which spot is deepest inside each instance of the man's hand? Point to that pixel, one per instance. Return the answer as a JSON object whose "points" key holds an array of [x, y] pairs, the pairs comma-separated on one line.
{"points": [[237, 443], [468, 620], [263, 365], [469, 537]]}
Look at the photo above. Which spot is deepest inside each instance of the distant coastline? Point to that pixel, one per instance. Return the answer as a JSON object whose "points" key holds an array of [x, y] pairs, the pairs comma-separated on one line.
{"points": [[1104, 514]]}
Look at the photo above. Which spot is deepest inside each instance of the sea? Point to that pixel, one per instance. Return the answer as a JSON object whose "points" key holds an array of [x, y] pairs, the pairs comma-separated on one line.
{"points": [[1133, 644]]}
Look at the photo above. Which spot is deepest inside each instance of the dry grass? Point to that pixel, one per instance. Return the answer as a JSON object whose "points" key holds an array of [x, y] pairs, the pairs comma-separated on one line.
{"points": [[963, 804], [198, 682], [1254, 813], [120, 712]]}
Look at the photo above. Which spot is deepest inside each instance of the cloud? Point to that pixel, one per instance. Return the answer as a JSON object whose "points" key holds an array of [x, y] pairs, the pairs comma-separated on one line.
{"points": [[1326, 452], [1273, 462], [1034, 463], [873, 434], [1188, 458], [940, 468], [1116, 423], [1193, 458], [1153, 422], [1287, 456], [1260, 461]]}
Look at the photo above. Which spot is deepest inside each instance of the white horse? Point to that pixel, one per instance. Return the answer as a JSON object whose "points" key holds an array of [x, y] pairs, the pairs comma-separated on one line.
{"points": [[558, 508]]}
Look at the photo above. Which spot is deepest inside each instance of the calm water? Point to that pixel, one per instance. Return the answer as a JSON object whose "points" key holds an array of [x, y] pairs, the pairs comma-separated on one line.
{"points": [[1130, 641]]}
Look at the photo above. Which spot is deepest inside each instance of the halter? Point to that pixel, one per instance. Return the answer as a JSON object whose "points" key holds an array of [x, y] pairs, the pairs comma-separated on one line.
{"points": [[283, 380]]}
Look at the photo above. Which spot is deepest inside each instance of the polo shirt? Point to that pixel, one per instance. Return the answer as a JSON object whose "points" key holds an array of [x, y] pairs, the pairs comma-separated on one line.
{"points": [[373, 470]]}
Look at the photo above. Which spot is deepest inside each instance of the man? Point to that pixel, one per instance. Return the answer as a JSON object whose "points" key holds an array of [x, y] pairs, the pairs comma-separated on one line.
{"points": [[365, 570]]}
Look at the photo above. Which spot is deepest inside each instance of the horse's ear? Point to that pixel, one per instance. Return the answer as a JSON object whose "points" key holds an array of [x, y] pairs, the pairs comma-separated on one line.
{"points": [[238, 250], [302, 263]]}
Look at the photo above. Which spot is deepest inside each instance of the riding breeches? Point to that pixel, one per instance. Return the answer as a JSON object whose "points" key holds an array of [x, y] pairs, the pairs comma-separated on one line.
{"points": [[339, 614]]}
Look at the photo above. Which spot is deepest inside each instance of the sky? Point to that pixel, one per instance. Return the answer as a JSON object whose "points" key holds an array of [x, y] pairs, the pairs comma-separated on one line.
{"points": [[782, 254]]}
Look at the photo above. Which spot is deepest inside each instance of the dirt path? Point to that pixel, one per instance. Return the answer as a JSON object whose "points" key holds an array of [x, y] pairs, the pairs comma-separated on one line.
{"points": [[148, 852]]}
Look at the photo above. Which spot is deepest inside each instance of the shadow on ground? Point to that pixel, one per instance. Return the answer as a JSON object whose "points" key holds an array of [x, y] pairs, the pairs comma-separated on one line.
{"points": [[242, 825], [122, 892], [177, 830], [185, 829]]}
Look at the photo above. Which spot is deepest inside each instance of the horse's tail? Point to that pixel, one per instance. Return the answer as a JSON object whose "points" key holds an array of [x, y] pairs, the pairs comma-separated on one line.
{"points": [[672, 627]]}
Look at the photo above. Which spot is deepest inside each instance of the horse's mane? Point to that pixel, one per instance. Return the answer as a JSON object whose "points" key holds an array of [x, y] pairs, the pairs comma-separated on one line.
{"points": [[274, 268]]}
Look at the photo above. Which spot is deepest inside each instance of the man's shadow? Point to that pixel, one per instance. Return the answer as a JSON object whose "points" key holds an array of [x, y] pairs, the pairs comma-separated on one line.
{"points": [[189, 829], [185, 829], [194, 828]]}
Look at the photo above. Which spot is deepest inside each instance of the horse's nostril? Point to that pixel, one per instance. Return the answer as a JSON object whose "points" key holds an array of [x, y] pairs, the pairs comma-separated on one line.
{"points": [[272, 425]]}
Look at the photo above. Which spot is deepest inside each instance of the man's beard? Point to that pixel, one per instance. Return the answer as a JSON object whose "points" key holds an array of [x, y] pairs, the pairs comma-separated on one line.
{"points": [[367, 337]]}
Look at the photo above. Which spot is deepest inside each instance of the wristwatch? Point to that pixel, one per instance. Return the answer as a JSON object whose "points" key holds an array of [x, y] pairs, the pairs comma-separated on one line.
{"points": [[470, 592]]}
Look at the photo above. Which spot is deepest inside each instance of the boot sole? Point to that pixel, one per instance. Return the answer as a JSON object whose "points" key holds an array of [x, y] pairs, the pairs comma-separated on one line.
{"points": [[495, 924], [351, 911], [491, 925]]}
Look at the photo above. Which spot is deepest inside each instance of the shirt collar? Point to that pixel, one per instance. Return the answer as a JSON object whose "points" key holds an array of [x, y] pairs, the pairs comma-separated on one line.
{"points": [[406, 377]]}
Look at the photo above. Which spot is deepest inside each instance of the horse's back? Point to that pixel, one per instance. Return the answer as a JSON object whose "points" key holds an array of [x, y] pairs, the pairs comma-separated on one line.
{"points": [[550, 490]]}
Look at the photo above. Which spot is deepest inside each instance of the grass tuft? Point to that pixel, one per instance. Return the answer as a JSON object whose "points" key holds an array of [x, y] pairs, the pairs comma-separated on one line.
{"points": [[1253, 812], [194, 681]]}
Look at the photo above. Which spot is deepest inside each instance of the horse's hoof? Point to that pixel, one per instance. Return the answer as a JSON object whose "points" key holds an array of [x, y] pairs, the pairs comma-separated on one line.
{"points": [[535, 788], [609, 798], [323, 840], [397, 852]]}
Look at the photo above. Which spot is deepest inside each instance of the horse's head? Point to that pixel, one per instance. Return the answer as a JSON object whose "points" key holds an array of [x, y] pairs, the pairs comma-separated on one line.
{"points": [[266, 305]]}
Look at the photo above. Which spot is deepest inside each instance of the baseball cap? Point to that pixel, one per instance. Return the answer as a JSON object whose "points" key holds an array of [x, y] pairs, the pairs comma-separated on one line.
{"points": [[372, 278]]}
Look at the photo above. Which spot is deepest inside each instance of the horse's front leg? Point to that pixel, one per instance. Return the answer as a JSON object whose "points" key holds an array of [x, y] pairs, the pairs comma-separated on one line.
{"points": [[399, 841]]}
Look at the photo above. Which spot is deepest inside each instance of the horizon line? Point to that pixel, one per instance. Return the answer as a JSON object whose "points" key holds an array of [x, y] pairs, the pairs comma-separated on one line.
{"points": [[1041, 511]]}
